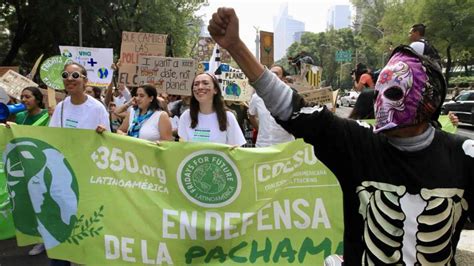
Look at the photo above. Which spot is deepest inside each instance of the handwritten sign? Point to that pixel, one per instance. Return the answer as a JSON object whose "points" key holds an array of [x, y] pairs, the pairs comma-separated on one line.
{"points": [[235, 87], [320, 96], [167, 74], [135, 44], [13, 83], [4, 69]]}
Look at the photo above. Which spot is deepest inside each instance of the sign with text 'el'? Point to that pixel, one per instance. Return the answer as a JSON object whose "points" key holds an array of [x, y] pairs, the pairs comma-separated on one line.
{"points": [[135, 44], [167, 74]]}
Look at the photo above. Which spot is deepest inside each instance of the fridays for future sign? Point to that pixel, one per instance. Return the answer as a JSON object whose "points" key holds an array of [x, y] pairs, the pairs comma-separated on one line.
{"points": [[97, 61]]}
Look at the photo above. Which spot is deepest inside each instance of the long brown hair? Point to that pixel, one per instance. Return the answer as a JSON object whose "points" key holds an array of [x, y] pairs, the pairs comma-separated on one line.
{"points": [[217, 104]]}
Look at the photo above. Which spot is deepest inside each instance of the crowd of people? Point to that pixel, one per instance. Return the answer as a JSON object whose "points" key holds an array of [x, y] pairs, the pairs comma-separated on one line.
{"points": [[402, 159]]}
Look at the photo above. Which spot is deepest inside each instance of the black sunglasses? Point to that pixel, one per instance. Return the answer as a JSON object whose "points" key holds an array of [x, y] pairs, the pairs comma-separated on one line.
{"points": [[74, 75]]}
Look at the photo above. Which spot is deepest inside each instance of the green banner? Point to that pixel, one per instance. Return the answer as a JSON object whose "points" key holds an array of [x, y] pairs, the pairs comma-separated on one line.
{"points": [[111, 199]]}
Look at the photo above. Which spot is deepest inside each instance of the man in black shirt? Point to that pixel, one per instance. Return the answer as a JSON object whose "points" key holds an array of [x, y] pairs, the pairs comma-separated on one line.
{"points": [[407, 187]]}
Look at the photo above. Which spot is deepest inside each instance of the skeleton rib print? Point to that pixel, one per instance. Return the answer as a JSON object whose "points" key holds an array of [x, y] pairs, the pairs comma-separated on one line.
{"points": [[401, 228]]}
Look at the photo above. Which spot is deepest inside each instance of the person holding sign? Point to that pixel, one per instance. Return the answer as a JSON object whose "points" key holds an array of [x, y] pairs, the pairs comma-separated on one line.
{"points": [[406, 202], [146, 120], [35, 114], [78, 110], [207, 119]]}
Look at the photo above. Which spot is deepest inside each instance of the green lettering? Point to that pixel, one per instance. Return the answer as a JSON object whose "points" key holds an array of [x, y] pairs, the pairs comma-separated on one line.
{"points": [[194, 252], [215, 253], [284, 250], [255, 254], [235, 249], [308, 247]]}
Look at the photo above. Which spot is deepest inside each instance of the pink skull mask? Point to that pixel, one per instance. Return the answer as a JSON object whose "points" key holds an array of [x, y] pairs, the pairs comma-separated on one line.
{"points": [[399, 91]]}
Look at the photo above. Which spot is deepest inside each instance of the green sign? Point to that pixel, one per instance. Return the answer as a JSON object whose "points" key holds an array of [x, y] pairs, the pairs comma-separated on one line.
{"points": [[51, 69], [111, 199], [343, 56]]}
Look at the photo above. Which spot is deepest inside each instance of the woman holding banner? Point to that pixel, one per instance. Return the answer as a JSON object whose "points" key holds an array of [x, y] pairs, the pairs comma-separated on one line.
{"points": [[207, 119], [146, 120]]}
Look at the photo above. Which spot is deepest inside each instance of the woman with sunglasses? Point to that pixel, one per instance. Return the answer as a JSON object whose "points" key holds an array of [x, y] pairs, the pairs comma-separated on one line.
{"points": [[207, 119], [146, 120], [78, 110], [35, 114]]}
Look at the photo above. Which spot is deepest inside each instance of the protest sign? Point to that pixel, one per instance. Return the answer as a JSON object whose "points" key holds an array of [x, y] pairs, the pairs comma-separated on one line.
{"points": [[177, 203], [13, 83], [97, 62], [4, 69], [312, 74], [236, 87], [322, 96], [266, 48], [133, 45], [167, 74], [205, 47], [51, 69]]}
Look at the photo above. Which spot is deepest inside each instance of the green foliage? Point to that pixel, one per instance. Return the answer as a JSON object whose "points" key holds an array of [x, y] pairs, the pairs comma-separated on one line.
{"points": [[30, 28], [86, 226], [449, 26]]}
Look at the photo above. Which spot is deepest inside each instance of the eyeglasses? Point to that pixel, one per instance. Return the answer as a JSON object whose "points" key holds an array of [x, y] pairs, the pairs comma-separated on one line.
{"points": [[74, 75]]}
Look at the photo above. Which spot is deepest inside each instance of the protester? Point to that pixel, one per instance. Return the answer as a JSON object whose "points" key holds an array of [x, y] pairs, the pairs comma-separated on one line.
{"points": [[94, 92], [78, 110], [35, 114], [269, 131], [146, 120], [421, 45], [408, 196], [207, 119]]}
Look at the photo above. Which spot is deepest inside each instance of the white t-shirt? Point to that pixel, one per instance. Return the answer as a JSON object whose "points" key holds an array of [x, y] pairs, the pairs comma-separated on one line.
{"points": [[269, 131], [207, 129], [87, 115], [418, 46], [149, 129]]}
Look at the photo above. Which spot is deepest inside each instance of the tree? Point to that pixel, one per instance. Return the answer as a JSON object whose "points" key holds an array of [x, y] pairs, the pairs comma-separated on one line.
{"points": [[36, 27]]}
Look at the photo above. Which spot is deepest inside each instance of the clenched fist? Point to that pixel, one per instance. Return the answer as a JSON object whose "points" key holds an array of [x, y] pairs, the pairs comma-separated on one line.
{"points": [[224, 27]]}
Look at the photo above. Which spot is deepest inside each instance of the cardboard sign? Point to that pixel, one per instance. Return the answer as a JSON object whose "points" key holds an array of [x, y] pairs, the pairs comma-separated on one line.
{"points": [[13, 83], [321, 96], [97, 61], [135, 44], [312, 74], [266, 48], [51, 69], [236, 87], [167, 74], [4, 69]]}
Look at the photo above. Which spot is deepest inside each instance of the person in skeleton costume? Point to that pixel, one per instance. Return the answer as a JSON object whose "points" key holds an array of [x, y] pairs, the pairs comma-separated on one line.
{"points": [[407, 186]]}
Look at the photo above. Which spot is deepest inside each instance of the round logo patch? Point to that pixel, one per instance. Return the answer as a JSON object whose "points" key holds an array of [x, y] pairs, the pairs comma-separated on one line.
{"points": [[209, 179]]}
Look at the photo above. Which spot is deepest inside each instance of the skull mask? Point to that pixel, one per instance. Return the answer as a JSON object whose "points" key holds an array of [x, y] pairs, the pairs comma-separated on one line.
{"points": [[399, 91]]}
